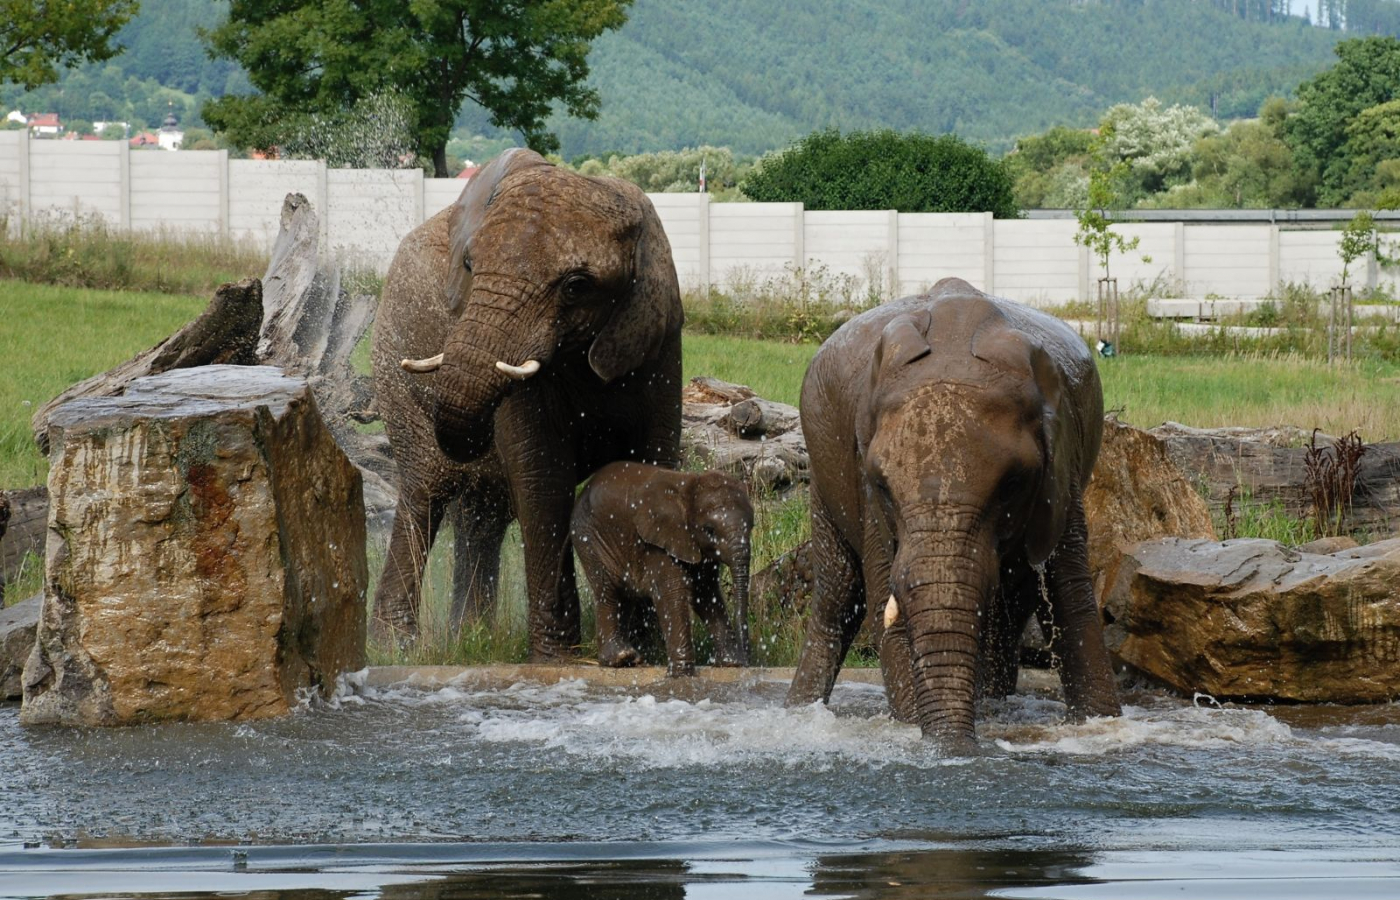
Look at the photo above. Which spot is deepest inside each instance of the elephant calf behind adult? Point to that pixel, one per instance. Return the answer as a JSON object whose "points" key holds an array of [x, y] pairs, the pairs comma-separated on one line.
{"points": [[951, 436], [526, 336]]}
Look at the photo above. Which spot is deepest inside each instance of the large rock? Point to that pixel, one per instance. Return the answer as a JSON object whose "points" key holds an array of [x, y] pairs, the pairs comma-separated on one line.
{"points": [[18, 624], [206, 553], [730, 428], [1254, 619], [1137, 493]]}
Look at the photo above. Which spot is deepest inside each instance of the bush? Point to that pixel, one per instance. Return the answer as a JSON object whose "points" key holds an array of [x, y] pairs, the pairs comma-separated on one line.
{"points": [[912, 172]]}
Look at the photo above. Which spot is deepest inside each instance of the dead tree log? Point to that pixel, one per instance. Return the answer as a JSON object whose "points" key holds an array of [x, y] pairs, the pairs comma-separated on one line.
{"points": [[225, 333]]}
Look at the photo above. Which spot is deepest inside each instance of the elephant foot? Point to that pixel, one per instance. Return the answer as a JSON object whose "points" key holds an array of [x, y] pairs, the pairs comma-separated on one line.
{"points": [[680, 670], [730, 661], [552, 655], [398, 631], [618, 656], [1078, 712]]}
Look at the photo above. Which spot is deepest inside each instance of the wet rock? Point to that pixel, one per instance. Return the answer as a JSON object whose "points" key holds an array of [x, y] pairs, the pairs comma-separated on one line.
{"points": [[206, 553], [1137, 493], [1255, 619], [1268, 464], [728, 427], [18, 624], [1328, 545]]}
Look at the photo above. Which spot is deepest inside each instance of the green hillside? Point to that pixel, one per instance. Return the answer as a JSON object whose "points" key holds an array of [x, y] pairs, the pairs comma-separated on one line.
{"points": [[754, 74]]}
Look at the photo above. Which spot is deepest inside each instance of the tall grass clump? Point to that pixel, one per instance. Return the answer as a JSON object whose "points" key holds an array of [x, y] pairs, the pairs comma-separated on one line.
{"points": [[83, 250], [801, 305]]}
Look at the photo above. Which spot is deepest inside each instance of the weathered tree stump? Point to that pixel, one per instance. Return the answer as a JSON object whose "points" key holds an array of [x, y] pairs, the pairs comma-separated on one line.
{"points": [[206, 556]]}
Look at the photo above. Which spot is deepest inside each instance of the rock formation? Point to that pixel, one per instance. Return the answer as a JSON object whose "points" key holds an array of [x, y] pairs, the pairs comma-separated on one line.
{"points": [[1137, 493], [1254, 619], [730, 428], [206, 554], [18, 624]]}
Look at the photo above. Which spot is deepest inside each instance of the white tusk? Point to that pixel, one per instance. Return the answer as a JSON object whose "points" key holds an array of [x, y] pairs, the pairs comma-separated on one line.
{"points": [[521, 372], [891, 612], [421, 366]]}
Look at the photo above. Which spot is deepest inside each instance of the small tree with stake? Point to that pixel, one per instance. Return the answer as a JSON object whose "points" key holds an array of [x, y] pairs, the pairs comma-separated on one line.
{"points": [[1097, 234], [1360, 239]]}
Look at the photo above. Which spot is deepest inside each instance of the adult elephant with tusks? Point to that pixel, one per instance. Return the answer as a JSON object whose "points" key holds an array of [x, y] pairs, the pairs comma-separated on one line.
{"points": [[527, 335], [951, 436]]}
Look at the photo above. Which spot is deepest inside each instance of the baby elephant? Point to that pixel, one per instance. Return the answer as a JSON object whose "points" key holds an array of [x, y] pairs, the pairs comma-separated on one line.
{"points": [[647, 533]]}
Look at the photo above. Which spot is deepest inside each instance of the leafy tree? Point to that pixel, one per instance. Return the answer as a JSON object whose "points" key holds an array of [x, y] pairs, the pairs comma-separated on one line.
{"points": [[1154, 141], [38, 37], [674, 170], [515, 59], [1096, 218], [1050, 170], [1367, 73], [911, 172], [1373, 139]]}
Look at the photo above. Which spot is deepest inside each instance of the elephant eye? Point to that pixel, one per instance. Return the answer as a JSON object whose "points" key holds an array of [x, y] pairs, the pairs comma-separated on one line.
{"points": [[576, 287], [466, 262]]}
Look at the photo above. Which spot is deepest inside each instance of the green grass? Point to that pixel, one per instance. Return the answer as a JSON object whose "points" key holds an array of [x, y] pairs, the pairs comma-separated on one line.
{"points": [[1255, 390], [52, 337], [774, 370]]}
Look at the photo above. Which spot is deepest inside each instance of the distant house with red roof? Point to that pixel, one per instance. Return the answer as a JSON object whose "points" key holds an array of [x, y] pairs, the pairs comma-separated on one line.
{"points": [[145, 139], [468, 172], [45, 125]]}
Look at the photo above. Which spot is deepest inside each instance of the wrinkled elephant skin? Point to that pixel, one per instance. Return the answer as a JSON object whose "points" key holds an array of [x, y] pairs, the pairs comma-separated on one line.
{"points": [[527, 336], [951, 436], [643, 534]]}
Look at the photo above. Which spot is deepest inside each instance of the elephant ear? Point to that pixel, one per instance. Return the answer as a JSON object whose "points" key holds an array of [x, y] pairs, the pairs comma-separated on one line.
{"points": [[663, 521], [1018, 355], [904, 340], [468, 212], [651, 311]]}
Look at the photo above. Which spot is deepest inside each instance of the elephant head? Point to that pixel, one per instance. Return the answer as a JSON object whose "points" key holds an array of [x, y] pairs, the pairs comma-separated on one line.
{"points": [[707, 518], [959, 440], [545, 267]]}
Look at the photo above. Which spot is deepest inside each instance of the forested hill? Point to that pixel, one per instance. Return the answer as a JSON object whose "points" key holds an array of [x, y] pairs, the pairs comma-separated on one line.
{"points": [[753, 74]]}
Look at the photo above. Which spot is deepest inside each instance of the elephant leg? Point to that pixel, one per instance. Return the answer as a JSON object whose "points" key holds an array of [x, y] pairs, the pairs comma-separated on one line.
{"points": [[540, 471], [672, 592], [1076, 633], [479, 522], [709, 606], [838, 605], [399, 594], [614, 649], [1018, 595]]}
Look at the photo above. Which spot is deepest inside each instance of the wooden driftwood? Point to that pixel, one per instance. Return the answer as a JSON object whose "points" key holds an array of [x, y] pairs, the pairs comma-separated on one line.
{"points": [[226, 332], [24, 532]]}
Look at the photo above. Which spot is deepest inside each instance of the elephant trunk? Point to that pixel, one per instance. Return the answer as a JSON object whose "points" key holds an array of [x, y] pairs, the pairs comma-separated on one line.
{"points": [[485, 356], [740, 571], [942, 593]]}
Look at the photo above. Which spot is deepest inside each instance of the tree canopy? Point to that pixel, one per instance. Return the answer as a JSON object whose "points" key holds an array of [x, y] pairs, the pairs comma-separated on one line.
{"points": [[37, 38], [912, 172], [515, 59], [1366, 74]]}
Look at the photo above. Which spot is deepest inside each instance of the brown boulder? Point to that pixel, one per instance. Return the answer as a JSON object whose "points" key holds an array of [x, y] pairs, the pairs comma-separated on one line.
{"points": [[206, 553], [1254, 619], [17, 626], [1137, 493]]}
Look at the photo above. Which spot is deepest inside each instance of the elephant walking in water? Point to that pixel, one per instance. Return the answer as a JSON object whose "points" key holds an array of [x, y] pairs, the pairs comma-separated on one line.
{"points": [[527, 336], [951, 437]]}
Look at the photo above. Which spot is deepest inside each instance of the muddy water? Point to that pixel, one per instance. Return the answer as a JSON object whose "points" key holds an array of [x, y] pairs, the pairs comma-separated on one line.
{"points": [[572, 791]]}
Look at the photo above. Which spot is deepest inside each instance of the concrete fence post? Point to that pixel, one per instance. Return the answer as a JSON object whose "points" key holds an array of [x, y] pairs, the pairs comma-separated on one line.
{"points": [[703, 223], [224, 226], [1179, 253], [799, 242], [1273, 258], [892, 254], [1086, 266], [25, 211], [124, 184]]}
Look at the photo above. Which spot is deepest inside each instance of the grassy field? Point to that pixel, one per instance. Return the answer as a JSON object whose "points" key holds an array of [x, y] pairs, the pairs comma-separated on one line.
{"points": [[52, 337]]}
